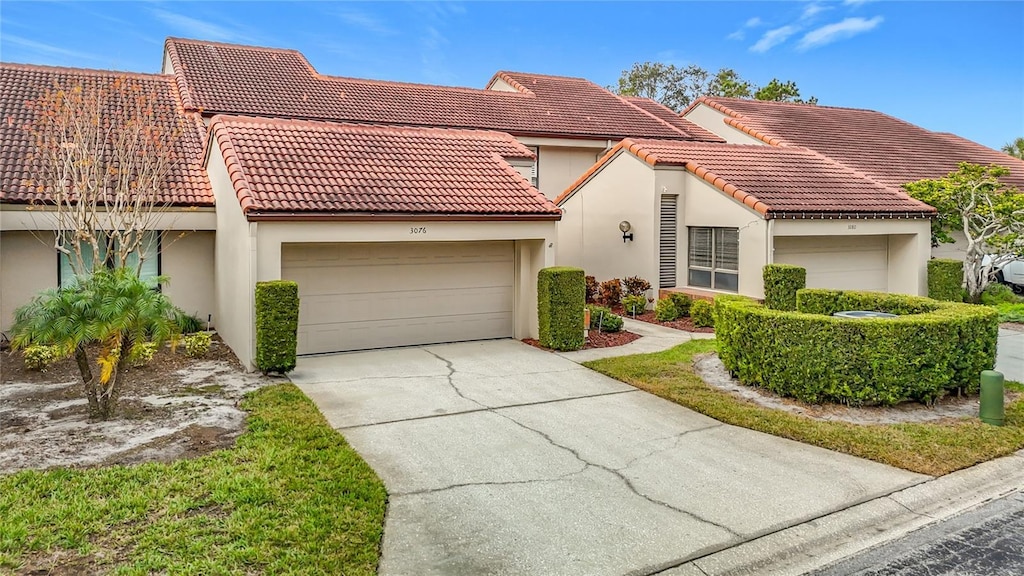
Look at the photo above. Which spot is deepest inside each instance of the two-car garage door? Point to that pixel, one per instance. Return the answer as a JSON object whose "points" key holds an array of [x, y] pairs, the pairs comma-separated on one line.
{"points": [[357, 296], [840, 262]]}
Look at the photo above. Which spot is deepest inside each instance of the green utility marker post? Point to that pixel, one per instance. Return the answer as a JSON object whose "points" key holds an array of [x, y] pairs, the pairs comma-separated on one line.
{"points": [[992, 410]]}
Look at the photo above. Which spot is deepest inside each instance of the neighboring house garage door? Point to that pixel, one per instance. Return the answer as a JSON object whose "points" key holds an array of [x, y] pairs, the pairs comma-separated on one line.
{"points": [[358, 296], [841, 262]]}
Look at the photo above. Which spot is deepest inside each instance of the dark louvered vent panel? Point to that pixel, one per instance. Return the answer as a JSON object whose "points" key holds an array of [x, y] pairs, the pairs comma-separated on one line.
{"points": [[667, 252]]}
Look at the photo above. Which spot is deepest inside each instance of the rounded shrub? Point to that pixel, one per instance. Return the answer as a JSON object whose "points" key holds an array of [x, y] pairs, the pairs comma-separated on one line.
{"points": [[634, 304], [603, 319], [933, 347], [702, 313], [682, 303], [665, 310]]}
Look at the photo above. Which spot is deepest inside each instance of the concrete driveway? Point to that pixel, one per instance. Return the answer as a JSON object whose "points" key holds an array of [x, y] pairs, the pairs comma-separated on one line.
{"points": [[503, 459], [1010, 354]]}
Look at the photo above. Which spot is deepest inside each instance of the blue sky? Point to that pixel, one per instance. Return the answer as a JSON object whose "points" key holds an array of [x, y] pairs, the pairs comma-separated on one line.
{"points": [[948, 66]]}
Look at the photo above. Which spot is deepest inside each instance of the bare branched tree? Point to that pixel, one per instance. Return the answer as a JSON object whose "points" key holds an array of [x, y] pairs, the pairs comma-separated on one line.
{"points": [[102, 152]]}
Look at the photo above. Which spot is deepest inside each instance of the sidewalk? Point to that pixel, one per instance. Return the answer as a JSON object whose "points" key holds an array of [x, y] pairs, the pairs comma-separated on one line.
{"points": [[1010, 355], [654, 338]]}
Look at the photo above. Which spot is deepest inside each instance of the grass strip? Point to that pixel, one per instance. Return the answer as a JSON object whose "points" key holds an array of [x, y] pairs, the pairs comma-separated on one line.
{"points": [[933, 448], [290, 498]]}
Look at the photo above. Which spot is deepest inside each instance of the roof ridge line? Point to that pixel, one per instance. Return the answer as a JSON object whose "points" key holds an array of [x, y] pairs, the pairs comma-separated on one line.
{"points": [[504, 77], [727, 188], [440, 131], [236, 172], [91, 71], [508, 168], [230, 45]]}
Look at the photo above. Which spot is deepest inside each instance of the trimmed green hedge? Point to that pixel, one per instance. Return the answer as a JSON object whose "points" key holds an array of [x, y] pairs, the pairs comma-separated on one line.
{"points": [[946, 279], [932, 348], [702, 313], [781, 281], [561, 296], [277, 325]]}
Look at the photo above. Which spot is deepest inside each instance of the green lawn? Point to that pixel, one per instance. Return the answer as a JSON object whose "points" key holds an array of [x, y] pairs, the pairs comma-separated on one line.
{"points": [[290, 498], [932, 448]]}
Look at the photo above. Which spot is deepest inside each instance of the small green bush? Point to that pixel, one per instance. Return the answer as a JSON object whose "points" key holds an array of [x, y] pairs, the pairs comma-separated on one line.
{"points": [[141, 353], [592, 288], [636, 286], [946, 279], [39, 358], [610, 292], [932, 348], [702, 313], [665, 310], [603, 319], [197, 344], [682, 303], [561, 296], [996, 293], [1010, 312], [277, 325], [634, 304], [781, 281], [187, 323]]}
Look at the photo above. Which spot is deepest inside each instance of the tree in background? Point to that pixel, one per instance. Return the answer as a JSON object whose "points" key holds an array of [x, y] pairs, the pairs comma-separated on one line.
{"points": [[677, 87], [990, 214], [102, 152], [1015, 148]]}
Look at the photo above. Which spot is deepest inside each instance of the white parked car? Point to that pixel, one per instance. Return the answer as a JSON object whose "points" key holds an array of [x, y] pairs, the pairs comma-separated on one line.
{"points": [[1012, 274]]}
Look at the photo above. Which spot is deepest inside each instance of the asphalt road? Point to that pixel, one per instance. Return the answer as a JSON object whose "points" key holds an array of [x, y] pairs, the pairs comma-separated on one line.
{"points": [[987, 541]]}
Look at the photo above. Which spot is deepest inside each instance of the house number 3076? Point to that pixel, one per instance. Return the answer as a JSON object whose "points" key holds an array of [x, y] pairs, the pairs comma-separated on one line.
{"points": [[418, 230]]}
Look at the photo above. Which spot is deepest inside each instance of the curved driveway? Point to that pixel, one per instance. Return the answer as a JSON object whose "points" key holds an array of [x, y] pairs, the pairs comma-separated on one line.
{"points": [[503, 459]]}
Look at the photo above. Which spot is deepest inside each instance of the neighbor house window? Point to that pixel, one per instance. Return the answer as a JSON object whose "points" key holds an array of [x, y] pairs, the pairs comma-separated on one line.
{"points": [[150, 264], [714, 258]]}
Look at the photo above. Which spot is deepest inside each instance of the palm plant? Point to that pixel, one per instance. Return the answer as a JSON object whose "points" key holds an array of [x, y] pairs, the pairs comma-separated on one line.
{"points": [[111, 309], [1015, 148]]}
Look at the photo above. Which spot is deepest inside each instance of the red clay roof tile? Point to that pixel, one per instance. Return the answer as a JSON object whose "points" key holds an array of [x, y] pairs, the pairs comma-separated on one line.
{"points": [[231, 79], [295, 166], [774, 181], [886, 149], [20, 84]]}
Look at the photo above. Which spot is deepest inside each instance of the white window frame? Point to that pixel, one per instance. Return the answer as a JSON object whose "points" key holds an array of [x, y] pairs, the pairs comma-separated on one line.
{"points": [[715, 269], [65, 274]]}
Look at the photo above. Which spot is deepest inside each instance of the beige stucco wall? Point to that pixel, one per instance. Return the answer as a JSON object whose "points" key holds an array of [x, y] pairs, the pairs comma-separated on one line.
{"points": [[27, 265], [561, 166], [909, 245], [501, 86], [705, 205], [955, 251], [187, 258], [233, 277], [588, 235], [711, 119]]}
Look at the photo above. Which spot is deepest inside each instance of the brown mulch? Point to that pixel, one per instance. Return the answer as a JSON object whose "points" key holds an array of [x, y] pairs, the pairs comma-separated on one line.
{"points": [[597, 340], [684, 324], [1015, 326]]}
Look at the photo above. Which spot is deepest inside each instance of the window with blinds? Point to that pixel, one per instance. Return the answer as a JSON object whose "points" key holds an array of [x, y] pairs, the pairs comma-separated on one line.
{"points": [[713, 258], [668, 242], [150, 260]]}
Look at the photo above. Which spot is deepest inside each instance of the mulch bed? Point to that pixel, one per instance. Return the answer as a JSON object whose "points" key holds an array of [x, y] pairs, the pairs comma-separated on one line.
{"points": [[597, 340], [685, 324]]}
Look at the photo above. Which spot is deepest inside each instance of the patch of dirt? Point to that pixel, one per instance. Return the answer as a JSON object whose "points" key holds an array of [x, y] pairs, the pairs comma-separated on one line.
{"points": [[685, 324], [173, 407], [596, 340], [710, 368], [1015, 326]]}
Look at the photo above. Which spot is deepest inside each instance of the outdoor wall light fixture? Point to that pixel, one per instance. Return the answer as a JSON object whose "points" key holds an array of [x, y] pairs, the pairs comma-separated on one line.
{"points": [[625, 227]]}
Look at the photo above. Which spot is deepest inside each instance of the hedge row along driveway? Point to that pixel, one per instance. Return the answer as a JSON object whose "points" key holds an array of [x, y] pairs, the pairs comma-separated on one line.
{"points": [[931, 349]]}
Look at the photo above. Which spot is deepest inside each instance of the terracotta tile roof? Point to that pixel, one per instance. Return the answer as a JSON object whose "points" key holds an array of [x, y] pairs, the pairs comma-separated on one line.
{"points": [[297, 167], [886, 149], [231, 79], [774, 181], [668, 115], [187, 183]]}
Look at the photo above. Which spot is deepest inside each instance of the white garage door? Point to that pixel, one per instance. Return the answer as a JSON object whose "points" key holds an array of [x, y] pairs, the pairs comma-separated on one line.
{"points": [[839, 262], [360, 296]]}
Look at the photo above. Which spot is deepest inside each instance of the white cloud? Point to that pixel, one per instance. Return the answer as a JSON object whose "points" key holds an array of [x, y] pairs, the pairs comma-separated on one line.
{"points": [[198, 28], [742, 32], [753, 22], [366, 22], [737, 35], [811, 10], [774, 37], [829, 33], [48, 49], [856, 2]]}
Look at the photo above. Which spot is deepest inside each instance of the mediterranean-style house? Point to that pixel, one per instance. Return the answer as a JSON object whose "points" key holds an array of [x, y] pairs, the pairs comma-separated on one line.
{"points": [[413, 214]]}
